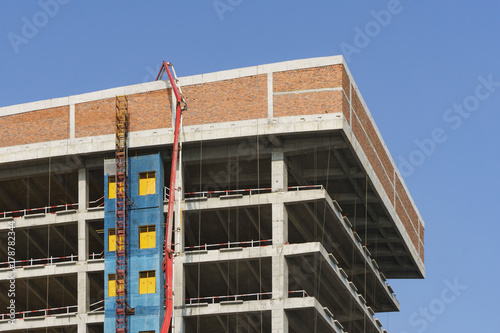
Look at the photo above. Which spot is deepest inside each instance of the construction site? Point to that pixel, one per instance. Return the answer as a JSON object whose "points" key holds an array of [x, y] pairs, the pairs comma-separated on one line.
{"points": [[258, 199]]}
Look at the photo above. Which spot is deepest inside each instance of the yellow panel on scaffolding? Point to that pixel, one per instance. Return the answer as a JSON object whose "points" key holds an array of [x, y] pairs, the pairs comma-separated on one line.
{"points": [[152, 236], [152, 283], [147, 183], [147, 238], [111, 240], [111, 187], [147, 282], [143, 282], [111, 285]]}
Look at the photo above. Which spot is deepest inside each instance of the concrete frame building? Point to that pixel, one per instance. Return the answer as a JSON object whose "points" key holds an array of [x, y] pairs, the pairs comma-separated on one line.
{"points": [[290, 213]]}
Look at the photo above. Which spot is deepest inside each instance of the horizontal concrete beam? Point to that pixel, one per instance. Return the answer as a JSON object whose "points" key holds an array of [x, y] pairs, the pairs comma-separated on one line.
{"points": [[54, 269], [44, 219], [164, 136], [288, 304], [52, 321], [255, 200]]}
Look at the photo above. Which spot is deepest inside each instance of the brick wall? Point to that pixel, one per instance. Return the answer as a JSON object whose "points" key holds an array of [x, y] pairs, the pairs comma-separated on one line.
{"points": [[35, 126], [310, 91], [95, 118], [310, 103], [222, 101], [148, 110]]}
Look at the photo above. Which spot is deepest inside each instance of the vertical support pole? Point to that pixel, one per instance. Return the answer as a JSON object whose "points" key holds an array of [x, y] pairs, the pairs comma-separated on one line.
{"points": [[280, 238], [83, 189], [178, 278], [279, 180], [179, 296], [83, 200], [179, 197], [83, 241], [83, 293], [279, 173], [82, 325], [279, 320]]}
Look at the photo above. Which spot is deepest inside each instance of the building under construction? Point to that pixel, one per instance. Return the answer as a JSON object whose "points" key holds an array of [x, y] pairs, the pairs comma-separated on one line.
{"points": [[289, 214]]}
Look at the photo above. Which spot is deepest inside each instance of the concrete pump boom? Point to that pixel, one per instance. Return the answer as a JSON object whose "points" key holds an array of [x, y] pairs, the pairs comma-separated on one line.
{"points": [[169, 255]]}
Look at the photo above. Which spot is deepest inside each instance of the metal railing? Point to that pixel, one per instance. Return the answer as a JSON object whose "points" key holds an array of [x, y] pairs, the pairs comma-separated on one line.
{"points": [[97, 203], [216, 194], [250, 191], [298, 293], [229, 245], [40, 313], [166, 192], [305, 187], [97, 306], [95, 256], [48, 261], [240, 297], [218, 299], [40, 210]]}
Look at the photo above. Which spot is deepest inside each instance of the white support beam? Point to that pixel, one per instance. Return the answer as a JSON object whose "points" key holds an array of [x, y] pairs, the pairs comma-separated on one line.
{"points": [[279, 178], [83, 292]]}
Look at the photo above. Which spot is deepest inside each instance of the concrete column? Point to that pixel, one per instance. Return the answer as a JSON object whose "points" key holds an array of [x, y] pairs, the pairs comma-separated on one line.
{"points": [[83, 242], [83, 200], [82, 325], [82, 277], [179, 196], [83, 292], [279, 173], [280, 223], [279, 184], [179, 294], [83, 190], [280, 275], [178, 321], [179, 289], [279, 320]]}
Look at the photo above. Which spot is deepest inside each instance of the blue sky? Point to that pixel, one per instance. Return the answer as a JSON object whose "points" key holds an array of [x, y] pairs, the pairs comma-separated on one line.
{"points": [[429, 72]]}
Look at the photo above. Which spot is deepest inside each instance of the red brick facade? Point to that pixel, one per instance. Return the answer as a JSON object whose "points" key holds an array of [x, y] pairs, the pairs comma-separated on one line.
{"points": [[310, 103], [230, 100], [35, 126]]}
